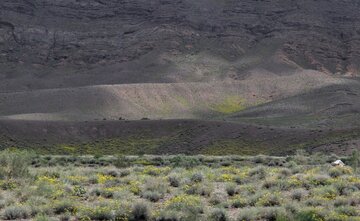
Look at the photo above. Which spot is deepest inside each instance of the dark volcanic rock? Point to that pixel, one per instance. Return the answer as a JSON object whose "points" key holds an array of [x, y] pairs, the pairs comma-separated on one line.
{"points": [[66, 43]]}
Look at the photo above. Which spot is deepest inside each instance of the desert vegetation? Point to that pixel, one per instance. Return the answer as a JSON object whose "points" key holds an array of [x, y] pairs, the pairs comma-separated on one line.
{"points": [[170, 188]]}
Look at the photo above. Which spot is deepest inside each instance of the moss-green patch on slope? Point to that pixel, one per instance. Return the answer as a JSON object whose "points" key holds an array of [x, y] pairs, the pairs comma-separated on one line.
{"points": [[230, 104]]}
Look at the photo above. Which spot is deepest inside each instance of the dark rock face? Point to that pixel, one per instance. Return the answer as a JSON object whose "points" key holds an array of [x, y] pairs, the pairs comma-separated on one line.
{"points": [[68, 43]]}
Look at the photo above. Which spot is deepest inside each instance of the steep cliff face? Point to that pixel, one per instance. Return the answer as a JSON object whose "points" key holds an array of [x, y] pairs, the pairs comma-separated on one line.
{"points": [[67, 43]]}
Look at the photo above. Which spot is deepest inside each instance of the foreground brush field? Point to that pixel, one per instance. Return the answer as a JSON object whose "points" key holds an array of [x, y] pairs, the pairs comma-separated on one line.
{"points": [[298, 187]]}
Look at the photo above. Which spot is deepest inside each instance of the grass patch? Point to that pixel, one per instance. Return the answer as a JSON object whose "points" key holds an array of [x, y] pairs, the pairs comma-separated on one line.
{"points": [[230, 104]]}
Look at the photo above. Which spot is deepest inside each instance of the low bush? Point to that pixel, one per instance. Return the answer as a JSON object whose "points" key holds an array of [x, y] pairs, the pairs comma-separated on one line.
{"points": [[239, 179], [202, 189], [218, 214], [339, 171], [185, 203], [14, 163], [231, 189], [154, 189], [217, 198], [174, 180], [269, 200], [271, 213], [347, 210], [185, 161], [239, 202], [298, 194], [16, 212], [197, 177], [140, 211], [258, 171], [170, 215], [43, 217], [121, 161], [152, 196], [99, 213], [285, 172], [309, 215], [65, 206], [327, 192]]}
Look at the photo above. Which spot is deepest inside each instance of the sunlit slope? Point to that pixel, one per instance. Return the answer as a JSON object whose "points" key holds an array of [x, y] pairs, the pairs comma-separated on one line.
{"points": [[158, 101]]}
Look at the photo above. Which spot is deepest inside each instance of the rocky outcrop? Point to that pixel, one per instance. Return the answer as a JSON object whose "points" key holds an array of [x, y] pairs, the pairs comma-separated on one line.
{"points": [[68, 43]]}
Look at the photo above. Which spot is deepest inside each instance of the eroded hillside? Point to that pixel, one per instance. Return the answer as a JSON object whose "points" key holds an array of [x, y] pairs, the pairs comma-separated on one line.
{"points": [[68, 43], [213, 76]]}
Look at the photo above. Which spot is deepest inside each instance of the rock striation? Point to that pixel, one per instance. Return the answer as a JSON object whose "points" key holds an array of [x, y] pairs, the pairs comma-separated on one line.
{"points": [[70, 43]]}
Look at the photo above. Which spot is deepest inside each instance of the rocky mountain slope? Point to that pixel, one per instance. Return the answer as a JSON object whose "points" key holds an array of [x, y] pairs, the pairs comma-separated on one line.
{"points": [[68, 43], [255, 76]]}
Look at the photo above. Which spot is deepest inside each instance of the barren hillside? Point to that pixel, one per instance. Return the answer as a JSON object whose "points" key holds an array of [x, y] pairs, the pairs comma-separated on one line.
{"points": [[158, 101], [209, 74], [69, 43]]}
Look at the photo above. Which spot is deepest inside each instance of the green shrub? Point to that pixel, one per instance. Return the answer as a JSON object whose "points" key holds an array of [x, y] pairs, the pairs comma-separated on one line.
{"points": [[190, 204], [247, 215], [347, 210], [354, 201], [259, 159], [239, 202], [268, 184], [185, 161], [239, 180], [355, 160], [16, 212], [112, 173], [202, 189], [14, 163], [79, 191], [140, 211], [327, 192], [315, 201], [217, 198], [260, 213], [171, 215], [174, 180], [341, 201], [122, 213], [64, 207], [269, 200], [285, 172], [345, 188], [292, 208], [301, 157], [8, 185], [43, 217], [298, 194], [124, 172], [319, 180], [218, 214], [274, 213], [3, 203], [151, 195], [121, 162], [339, 171], [99, 213], [65, 217], [309, 215], [231, 189], [258, 171], [154, 189], [197, 177]]}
